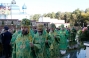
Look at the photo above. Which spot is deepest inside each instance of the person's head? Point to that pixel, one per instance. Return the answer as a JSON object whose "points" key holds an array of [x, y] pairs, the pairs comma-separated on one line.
{"points": [[66, 27], [73, 28], [25, 30], [62, 27], [25, 26], [34, 27], [52, 27], [6, 28], [40, 28]]}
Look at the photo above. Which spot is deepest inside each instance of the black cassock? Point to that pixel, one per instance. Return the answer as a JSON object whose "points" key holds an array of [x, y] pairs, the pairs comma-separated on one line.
{"points": [[6, 38]]}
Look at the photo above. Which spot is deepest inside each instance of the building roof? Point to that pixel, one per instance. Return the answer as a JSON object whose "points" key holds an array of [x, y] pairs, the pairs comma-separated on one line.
{"points": [[13, 2], [24, 7], [1, 5]]}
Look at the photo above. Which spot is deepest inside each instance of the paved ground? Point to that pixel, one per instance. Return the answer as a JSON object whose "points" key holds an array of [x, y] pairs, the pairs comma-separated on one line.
{"points": [[73, 54], [2, 57], [76, 54]]}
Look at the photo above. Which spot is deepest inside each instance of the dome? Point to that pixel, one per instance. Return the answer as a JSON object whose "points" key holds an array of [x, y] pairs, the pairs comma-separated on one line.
{"points": [[14, 7], [13, 2], [24, 7], [1, 5]]}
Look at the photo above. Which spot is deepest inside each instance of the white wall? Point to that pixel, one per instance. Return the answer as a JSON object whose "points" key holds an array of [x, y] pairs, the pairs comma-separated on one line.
{"points": [[44, 19], [15, 11], [23, 16], [20, 17], [55, 21], [13, 16], [47, 19], [59, 24]]}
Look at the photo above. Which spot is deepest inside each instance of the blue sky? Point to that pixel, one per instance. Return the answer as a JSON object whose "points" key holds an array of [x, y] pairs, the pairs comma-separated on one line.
{"points": [[45, 6]]}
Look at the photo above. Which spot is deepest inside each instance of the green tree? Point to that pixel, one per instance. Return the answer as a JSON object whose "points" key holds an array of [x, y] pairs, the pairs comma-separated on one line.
{"points": [[45, 15], [2, 22], [70, 17], [53, 15], [87, 10], [31, 17], [73, 18], [36, 17], [49, 15], [12, 23], [67, 17], [62, 16], [58, 15]]}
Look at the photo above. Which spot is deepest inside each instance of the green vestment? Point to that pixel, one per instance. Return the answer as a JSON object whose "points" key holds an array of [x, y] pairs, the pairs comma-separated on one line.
{"points": [[79, 32], [72, 38], [21, 48], [63, 39], [54, 48], [14, 36], [42, 48], [73, 34]]}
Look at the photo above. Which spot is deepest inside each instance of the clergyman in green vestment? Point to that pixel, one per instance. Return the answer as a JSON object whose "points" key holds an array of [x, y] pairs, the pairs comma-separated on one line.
{"points": [[42, 42], [63, 39], [55, 39], [24, 42]]}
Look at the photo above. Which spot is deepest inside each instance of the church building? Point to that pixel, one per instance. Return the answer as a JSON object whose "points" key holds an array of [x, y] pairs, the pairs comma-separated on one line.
{"points": [[13, 11]]}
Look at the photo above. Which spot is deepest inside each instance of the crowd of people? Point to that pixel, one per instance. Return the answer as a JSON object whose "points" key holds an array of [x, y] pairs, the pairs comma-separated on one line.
{"points": [[40, 42]]}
